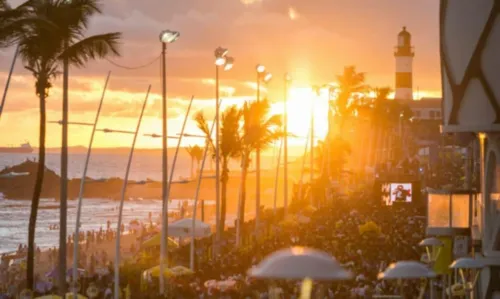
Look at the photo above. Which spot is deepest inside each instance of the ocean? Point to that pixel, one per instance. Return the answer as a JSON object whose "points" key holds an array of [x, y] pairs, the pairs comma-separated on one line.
{"points": [[14, 214]]}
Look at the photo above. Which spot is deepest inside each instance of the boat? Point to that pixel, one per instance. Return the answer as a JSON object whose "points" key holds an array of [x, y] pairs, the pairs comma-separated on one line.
{"points": [[25, 148]]}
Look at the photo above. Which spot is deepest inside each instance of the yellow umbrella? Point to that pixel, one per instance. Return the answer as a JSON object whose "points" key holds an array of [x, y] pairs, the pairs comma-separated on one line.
{"points": [[78, 296], [155, 271], [156, 240], [49, 297], [181, 271]]}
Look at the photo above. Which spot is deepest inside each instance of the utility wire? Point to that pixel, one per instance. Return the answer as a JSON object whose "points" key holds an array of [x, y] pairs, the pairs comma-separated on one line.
{"points": [[136, 67]]}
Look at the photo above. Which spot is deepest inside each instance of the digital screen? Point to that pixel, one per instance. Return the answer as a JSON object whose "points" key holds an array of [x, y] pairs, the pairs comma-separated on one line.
{"points": [[396, 192]]}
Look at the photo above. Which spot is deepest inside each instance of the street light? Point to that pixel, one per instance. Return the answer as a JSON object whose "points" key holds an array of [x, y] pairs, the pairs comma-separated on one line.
{"points": [[221, 59], [166, 37], [264, 76]]}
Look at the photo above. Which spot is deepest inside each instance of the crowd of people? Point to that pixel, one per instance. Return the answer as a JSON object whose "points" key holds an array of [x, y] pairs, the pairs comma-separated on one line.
{"points": [[333, 228]]}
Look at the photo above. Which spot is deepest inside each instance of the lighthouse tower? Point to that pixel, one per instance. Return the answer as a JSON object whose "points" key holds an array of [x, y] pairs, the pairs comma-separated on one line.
{"points": [[404, 67]]}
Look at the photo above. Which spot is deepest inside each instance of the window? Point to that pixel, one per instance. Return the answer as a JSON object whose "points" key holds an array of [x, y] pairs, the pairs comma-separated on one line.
{"points": [[431, 114], [417, 113], [438, 114]]}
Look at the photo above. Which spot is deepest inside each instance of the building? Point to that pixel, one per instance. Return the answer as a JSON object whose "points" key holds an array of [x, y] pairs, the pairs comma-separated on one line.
{"points": [[425, 108], [470, 68]]}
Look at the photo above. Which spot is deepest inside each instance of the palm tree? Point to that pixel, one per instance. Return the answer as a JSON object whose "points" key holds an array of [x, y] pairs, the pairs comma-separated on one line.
{"points": [[350, 84], [42, 49], [196, 153], [379, 120], [260, 130], [229, 148]]}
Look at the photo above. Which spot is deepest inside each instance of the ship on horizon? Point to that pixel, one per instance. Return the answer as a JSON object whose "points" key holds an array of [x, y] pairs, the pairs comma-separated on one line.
{"points": [[24, 148]]}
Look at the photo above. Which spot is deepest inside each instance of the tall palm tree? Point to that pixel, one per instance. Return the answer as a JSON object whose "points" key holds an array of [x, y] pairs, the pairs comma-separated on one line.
{"points": [[196, 153], [379, 120], [260, 130], [42, 49], [350, 83], [78, 50], [229, 148]]}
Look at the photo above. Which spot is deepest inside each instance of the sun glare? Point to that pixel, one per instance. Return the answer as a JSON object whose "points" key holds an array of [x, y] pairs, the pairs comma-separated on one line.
{"points": [[300, 100]]}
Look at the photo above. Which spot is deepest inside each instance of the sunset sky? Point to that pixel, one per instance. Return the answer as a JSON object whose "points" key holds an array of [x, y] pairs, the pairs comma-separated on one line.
{"points": [[313, 40]]}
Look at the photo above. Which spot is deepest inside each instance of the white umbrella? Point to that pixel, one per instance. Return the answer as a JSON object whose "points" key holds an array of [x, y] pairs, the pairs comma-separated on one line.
{"points": [[406, 270], [183, 229], [300, 263], [467, 263], [430, 242]]}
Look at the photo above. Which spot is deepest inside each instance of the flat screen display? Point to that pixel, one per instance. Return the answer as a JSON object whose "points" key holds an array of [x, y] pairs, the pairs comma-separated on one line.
{"points": [[396, 192]]}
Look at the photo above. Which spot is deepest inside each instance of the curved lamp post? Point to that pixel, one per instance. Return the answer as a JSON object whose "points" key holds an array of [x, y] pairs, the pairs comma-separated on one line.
{"points": [[262, 76], [221, 60], [76, 241], [166, 37], [7, 84], [122, 197], [196, 197], [466, 266], [300, 263]]}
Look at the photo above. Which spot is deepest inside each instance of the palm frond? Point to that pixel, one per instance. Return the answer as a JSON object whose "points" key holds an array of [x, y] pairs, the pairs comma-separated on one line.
{"points": [[91, 48]]}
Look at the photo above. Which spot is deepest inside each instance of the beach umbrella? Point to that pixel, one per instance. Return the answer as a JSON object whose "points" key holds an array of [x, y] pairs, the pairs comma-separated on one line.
{"points": [[181, 271], [78, 296], [471, 265], [156, 241], [406, 270], [155, 272], [49, 297], [184, 229], [300, 263]]}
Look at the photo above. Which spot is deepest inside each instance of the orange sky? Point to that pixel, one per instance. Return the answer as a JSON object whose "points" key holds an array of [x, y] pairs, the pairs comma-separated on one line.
{"points": [[313, 40]]}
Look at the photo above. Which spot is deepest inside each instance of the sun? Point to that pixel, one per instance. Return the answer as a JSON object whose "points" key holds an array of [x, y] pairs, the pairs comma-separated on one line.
{"points": [[300, 102]]}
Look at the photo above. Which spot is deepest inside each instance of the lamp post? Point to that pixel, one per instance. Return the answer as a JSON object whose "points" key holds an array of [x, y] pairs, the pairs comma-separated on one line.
{"points": [[166, 37], [7, 84], [221, 59], [264, 76], [288, 79]]}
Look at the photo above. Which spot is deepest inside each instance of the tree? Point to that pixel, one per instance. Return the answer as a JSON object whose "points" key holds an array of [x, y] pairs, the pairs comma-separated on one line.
{"points": [[196, 153], [42, 49], [350, 84], [229, 148], [260, 129]]}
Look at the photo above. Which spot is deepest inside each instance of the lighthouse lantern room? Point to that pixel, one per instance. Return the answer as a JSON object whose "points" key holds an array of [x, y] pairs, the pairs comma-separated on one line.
{"points": [[404, 67]]}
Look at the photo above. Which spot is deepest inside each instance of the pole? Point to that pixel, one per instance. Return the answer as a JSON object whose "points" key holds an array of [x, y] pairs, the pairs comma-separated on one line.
{"points": [[164, 162], [197, 195], [217, 162], [285, 150], [257, 171], [7, 84], [277, 177], [122, 200], [63, 200], [303, 167], [311, 172], [174, 162], [82, 186]]}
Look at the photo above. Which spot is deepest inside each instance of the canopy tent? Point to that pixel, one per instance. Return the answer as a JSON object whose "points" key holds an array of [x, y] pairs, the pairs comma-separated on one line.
{"points": [[184, 229], [156, 240]]}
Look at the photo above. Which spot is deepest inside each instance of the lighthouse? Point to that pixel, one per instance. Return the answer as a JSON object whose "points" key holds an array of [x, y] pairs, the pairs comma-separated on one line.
{"points": [[404, 67]]}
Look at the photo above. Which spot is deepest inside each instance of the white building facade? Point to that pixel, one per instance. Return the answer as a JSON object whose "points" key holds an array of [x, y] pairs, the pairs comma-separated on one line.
{"points": [[470, 67]]}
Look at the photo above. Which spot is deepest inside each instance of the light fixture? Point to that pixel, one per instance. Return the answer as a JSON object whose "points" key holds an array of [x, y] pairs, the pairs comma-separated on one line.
{"points": [[288, 77], [260, 68], [169, 36], [220, 52], [228, 63], [220, 61], [267, 77]]}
